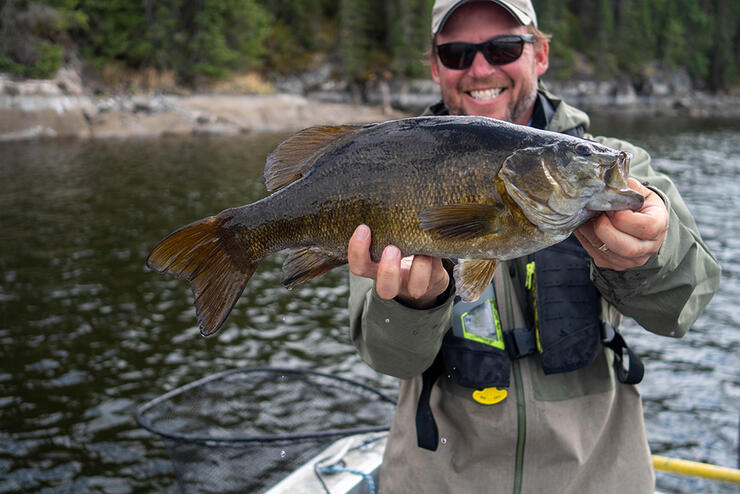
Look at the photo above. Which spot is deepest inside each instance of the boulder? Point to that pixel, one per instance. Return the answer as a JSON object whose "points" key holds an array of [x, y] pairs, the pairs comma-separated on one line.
{"points": [[24, 117]]}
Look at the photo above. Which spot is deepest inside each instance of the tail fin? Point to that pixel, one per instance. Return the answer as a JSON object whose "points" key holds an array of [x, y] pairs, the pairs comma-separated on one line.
{"points": [[197, 253]]}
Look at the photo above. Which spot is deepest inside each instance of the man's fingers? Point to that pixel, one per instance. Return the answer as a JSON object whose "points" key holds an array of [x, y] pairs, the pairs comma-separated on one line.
{"points": [[420, 274], [626, 239], [620, 243], [423, 279], [585, 234], [414, 278], [650, 223], [440, 276], [611, 248], [388, 276], [358, 253]]}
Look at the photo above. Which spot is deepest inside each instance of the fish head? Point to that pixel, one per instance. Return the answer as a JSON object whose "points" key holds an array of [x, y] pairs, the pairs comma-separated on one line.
{"points": [[560, 186]]}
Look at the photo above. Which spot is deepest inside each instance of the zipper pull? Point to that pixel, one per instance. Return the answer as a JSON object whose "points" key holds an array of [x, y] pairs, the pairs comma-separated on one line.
{"points": [[530, 276]]}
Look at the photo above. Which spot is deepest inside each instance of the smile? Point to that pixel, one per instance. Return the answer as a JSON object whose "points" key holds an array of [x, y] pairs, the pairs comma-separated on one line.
{"points": [[485, 94]]}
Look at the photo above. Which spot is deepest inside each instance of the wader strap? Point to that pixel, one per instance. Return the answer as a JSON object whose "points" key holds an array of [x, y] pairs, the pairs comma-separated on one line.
{"points": [[634, 371], [427, 434]]}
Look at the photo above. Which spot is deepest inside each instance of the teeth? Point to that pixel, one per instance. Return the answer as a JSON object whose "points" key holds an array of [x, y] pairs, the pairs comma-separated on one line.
{"points": [[485, 94]]}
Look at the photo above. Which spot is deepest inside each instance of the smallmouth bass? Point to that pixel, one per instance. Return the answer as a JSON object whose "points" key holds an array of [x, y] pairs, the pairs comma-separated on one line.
{"points": [[470, 188]]}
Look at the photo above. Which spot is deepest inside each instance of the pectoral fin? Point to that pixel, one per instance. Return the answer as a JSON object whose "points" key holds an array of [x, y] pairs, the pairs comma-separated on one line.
{"points": [[461, 221], [472, 276], [307, 263]]}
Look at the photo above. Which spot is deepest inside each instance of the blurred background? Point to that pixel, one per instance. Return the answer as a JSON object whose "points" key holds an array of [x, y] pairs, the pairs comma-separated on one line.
{"points": [[167, 43]]}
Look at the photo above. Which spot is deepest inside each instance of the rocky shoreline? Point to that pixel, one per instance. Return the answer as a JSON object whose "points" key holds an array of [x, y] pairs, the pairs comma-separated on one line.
{"points": [[63, 108]]}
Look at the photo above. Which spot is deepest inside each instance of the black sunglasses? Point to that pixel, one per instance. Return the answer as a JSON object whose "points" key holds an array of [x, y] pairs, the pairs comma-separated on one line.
{"points": [[497, 51]]}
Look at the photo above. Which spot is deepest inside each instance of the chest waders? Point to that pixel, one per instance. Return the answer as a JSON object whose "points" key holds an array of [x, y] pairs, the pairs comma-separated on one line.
{"points": [[561, 306]]}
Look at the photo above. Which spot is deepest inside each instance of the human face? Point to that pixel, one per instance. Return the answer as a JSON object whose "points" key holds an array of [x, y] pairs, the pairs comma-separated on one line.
{"points": [[506, 92]]}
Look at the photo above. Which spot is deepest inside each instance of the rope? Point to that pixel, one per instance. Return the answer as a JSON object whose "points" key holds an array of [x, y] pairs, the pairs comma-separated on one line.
{"points": [[338, 469], [335, 464]]}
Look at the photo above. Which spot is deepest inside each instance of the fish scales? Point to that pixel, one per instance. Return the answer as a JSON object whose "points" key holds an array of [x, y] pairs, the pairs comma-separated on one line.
{"points": [[458, 187], [355, 184]]}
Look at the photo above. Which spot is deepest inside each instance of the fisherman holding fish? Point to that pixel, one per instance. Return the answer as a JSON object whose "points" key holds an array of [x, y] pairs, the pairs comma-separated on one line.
{"points": [[499, 246], [528, 388]]}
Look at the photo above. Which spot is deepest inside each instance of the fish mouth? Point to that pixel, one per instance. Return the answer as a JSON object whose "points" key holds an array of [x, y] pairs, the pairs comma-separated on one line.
{"points": [[616, 195], [485, 94], [611, 199]]}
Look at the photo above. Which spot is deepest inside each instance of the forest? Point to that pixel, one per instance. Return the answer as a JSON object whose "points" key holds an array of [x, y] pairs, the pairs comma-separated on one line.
{"points": [[202, 40]]}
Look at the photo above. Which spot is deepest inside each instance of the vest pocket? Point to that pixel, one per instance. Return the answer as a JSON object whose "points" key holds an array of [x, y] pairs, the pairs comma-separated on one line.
{"points": [[575, 350], [475, 365]]}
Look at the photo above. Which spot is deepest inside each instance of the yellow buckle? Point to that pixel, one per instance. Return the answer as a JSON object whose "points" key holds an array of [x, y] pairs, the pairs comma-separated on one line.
{"points": [[489, 396]]}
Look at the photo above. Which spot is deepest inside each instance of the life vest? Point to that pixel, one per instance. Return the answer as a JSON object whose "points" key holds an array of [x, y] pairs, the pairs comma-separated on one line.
{"points": [[563, 330]]}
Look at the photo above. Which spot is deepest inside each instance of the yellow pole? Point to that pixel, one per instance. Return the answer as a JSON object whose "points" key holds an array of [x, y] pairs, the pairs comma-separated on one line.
{"points": [[696, 469]]}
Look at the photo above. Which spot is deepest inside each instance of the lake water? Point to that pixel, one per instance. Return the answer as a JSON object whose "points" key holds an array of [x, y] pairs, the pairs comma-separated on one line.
{"points": [[87, 333]]}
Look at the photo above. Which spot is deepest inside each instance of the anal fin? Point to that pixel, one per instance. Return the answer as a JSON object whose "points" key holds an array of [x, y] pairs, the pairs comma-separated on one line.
{"points": [[306, 263]]}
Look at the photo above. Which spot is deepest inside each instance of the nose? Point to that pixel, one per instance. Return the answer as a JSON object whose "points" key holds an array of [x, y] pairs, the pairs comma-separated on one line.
{"points": [[480, 66]]}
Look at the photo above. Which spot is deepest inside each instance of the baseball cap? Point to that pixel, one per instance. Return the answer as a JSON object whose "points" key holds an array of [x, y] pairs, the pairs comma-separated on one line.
{"points": [[522, 10]]}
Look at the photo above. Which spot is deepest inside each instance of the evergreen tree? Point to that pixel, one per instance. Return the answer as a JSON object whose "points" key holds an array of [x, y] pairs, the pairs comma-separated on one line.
{"points": [[377, 38], [723, 55], [605, 58], [635, 45], [34, 36], [409, 36], [362, 38], [301, 28]]}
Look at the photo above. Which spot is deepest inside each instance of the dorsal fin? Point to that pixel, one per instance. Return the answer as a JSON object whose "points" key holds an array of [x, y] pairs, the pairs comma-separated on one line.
{"points": [[290, 160]]}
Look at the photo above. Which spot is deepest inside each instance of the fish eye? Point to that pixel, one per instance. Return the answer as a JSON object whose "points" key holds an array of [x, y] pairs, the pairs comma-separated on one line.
{"points": [[583, 150]]}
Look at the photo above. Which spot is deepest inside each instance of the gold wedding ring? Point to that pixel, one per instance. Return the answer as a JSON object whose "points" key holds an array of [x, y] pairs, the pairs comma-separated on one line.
{"points": [[603, 248]]}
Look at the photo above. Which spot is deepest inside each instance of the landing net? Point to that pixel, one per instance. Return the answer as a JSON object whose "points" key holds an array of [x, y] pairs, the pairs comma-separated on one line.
{"points": [[243, 430]]}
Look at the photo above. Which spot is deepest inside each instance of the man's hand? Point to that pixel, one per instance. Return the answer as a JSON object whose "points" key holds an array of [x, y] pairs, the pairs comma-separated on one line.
{"points": [[621, 240], [416, 280]]}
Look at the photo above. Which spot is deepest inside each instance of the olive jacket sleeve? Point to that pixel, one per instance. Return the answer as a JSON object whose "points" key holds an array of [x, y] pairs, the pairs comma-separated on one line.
{"points": [[668, 293], [392, 338]]}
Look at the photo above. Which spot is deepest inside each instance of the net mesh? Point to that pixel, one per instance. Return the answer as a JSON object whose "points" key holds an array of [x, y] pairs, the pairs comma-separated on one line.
{"points": [[243, 430]]}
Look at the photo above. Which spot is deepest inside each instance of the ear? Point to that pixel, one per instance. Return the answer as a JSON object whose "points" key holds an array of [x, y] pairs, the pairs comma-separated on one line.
{"points": [[434, 64], [541, 56]]}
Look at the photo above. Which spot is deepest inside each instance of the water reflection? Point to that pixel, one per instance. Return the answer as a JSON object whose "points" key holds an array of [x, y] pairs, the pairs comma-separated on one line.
{"points": [[87, 333]]}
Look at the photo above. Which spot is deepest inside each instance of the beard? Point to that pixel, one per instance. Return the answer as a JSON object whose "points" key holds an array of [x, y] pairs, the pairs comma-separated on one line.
{"points": [[516, 108], [521, 106]]}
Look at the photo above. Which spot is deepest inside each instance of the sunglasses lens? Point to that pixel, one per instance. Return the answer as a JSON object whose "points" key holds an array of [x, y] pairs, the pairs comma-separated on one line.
{"points": [[456, 55], [497, 51], [502, 52]]}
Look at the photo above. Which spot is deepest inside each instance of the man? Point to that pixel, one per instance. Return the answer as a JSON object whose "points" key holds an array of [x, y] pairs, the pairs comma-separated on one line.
{"points": [[564, 419]]}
